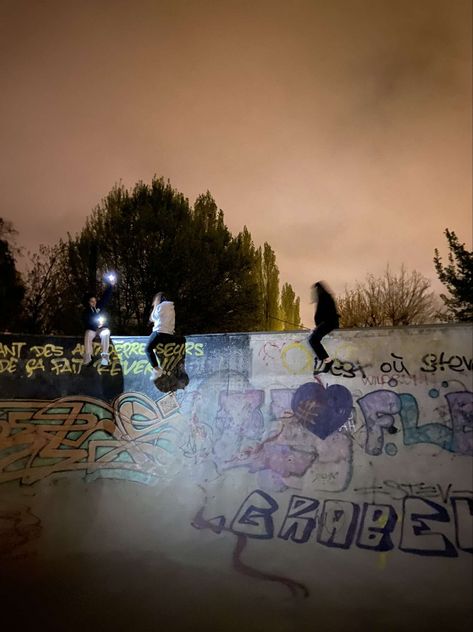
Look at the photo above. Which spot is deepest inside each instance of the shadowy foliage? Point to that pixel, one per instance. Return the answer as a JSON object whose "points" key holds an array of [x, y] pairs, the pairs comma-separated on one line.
{"points": [[389, 300], [44, 305], [155, 241], [11, 285], [457, 276]]}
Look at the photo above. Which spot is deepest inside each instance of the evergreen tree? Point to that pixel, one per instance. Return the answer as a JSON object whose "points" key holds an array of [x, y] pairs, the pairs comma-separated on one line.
{"points": [[289, 308], [269, 288], [222, 292], [457, 276], [156, 241]]}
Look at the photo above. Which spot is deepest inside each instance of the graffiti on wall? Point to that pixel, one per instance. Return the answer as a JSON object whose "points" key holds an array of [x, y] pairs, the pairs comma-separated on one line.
{"points": [[301, 435], [127, 358], [419, 527], [45, 368], [423, 526], [296, 358], [380, 407], [292, 440], [135, 438]]}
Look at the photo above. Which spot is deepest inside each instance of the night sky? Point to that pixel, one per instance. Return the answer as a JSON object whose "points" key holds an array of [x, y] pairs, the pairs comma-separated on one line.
{"points": [[337, 130]]}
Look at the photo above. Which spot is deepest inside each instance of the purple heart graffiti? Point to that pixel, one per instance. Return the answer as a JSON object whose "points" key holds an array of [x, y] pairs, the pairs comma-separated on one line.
{"points": [[322, 411]]}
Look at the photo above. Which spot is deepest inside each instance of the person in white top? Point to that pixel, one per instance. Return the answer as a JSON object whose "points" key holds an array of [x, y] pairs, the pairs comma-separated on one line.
{"points": [[163, 318]]}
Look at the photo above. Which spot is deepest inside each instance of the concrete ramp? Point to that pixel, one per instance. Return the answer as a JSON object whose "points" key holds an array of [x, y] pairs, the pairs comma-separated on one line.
{"points": [[256, 498]]}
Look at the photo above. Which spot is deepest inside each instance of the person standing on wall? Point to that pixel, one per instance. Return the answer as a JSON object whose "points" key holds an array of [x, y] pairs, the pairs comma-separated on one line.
{"points": [[94, 323], [163, 318], [326, 320]]}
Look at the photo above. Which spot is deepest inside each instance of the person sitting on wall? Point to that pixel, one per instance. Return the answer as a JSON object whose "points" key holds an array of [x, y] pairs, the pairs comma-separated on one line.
{"points": [[326, 320], [94, 322], [163, 318]]}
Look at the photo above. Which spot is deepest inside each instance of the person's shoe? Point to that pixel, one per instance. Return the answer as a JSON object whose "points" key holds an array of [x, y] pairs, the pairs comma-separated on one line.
{"points": [[155, 374], [90, 362], [104, 361], [324, 367], [392, 429], [327, 366]]}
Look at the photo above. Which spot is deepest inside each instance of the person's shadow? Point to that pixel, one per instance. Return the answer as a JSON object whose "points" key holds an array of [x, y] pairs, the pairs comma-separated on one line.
{"points": [[105, 382], [172, 360]]}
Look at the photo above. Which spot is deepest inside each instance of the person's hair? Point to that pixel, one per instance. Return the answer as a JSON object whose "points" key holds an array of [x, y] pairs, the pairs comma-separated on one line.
{"points": [[86, 298], [321, 288], [157, 299]]}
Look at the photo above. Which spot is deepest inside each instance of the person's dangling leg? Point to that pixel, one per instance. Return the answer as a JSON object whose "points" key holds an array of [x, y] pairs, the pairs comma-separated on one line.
{"points": [[315, 342], [105, 341], [89, 336], [152, 343], [149, 349]]}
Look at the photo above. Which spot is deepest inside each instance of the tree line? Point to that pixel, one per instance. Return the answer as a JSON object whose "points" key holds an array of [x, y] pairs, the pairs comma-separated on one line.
{"points": [[154, 240], [405, 298]]}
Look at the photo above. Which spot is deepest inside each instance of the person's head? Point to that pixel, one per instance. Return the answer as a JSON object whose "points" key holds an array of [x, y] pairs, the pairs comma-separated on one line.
{"points": [[90, 300], [158, 298], [317, 290]]}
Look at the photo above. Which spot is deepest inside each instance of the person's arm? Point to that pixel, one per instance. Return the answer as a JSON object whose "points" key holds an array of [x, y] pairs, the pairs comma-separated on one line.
{"points": [[168, 316], [153, 315], [319, 311], [88, 319], [333, 309], [325, 309], [106, 297]]}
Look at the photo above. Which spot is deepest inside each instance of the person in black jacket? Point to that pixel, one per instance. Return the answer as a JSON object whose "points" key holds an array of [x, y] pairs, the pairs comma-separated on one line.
{"points": [[326, 320], [94, 321]]}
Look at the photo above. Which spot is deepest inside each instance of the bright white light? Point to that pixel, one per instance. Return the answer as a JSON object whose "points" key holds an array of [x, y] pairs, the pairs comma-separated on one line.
{"points": [[111, 277], [101, 320]]}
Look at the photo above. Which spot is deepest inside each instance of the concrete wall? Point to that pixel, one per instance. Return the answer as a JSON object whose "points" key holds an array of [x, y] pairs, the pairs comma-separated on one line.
{"points": [[257, 498]]}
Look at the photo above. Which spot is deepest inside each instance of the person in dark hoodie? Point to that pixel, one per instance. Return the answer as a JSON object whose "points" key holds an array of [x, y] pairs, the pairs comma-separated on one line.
{"points": [[94, 321], [326, 320]]}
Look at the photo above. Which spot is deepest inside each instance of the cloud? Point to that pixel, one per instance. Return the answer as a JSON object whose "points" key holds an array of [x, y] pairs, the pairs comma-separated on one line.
{"points": [[339, 132]]}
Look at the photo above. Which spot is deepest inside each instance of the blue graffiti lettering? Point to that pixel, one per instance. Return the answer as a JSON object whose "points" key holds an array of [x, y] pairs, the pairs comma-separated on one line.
{"points": [[425, 526], [377, 524], [338, 523], [300, 519], [254, 517], [416, 513], [463, 515]]}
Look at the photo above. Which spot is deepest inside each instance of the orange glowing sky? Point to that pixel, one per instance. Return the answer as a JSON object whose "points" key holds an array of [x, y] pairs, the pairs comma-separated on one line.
{"points": [[337, 130]]}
